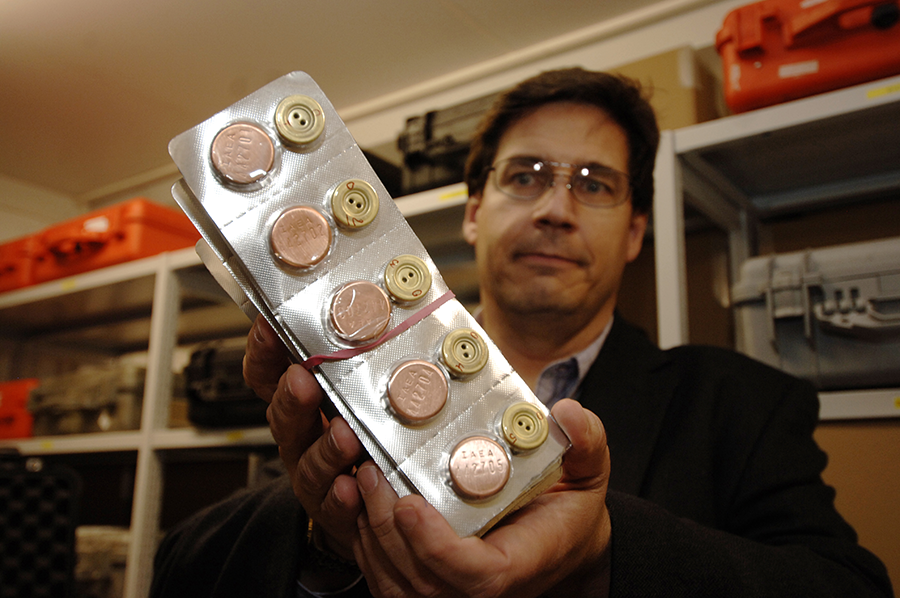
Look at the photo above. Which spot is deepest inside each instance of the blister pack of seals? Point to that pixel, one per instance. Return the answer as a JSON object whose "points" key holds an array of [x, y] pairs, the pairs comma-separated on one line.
{"points": [[297, 227]]}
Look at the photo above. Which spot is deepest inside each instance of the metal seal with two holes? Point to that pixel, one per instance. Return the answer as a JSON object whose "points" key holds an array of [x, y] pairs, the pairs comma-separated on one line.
{"points": [[524, 426], [354, 203], [464, 352], [299, 119], [407, 278]]}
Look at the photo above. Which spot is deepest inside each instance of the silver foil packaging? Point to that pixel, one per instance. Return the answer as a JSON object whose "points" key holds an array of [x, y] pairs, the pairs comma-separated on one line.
{"points": [[297, 227]]}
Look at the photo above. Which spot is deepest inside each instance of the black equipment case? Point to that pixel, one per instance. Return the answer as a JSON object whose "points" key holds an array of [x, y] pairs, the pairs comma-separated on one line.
{"points": [[435, 144], [216, 391], [39, 506]]}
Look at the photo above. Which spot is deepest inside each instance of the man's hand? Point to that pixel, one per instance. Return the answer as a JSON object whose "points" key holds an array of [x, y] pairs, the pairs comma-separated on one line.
{"points": [[318, 454], [558, 543]]}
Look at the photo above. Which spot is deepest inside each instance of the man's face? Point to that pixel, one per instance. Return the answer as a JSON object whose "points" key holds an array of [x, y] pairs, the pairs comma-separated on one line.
{"points": [[553, 255]]}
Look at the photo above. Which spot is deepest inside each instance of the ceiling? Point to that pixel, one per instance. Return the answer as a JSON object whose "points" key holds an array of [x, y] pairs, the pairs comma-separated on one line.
{"points": [[91, 91]]}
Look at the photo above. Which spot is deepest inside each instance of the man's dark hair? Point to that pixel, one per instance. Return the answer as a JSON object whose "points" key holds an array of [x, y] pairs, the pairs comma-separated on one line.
{"points": [[620, 97]]}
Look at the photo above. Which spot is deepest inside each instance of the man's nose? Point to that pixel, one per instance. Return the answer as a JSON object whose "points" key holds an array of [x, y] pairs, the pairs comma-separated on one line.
{"points": [[557, 204]]}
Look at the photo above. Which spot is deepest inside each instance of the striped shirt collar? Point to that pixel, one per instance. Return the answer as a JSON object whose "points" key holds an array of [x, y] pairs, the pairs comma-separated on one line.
{"points": [[562, 378]]}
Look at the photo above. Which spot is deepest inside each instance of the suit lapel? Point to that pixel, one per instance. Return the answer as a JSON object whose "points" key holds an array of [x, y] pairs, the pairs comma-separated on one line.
{"points": [[629, 387]]}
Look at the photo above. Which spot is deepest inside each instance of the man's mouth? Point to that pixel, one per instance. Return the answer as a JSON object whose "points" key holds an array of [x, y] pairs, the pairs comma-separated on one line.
{"points": [[545, 259]]}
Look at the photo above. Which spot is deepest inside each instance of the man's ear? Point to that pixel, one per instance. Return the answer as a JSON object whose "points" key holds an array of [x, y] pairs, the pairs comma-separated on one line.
{"points": [[636, 234], [470, 223]]}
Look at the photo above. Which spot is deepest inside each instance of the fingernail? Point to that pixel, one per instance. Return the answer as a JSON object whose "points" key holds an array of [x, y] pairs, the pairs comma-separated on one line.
{"points": [[563, 424], [258, 333], [287, 384], [336, 497], [367, 478], [332, 441], [406, 517]]}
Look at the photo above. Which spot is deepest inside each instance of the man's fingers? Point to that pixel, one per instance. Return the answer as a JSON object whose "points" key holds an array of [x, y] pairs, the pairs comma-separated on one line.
{"points": [[293, 414], [265, 359], [589, 455], [377, 526], [470, 565], [381, 575], [327, 458]]}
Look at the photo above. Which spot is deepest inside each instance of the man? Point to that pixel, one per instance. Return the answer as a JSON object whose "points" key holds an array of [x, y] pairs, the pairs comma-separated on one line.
{"points": [[702, 480]]}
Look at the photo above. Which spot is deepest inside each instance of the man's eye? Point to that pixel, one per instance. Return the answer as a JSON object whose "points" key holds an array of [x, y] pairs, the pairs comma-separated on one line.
{"points": [[594, 186], [523, 179]]}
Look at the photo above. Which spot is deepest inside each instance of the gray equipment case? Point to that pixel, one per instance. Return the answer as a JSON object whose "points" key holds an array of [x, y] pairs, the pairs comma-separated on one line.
{"points": [[93, 398], [830, 315]]}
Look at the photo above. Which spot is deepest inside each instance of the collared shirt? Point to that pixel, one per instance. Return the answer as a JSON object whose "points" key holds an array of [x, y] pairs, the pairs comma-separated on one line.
{"points": [[562, 378]]}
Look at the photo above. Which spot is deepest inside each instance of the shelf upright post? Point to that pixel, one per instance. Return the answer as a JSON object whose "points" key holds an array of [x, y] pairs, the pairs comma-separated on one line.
{"points": [[147, 503], [668, 243]]}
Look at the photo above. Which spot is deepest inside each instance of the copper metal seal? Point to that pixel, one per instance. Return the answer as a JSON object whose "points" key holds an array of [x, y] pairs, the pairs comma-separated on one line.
{"points": [[242, 153], [479, 468], [300, 237], [360, 311], [417, 390]]}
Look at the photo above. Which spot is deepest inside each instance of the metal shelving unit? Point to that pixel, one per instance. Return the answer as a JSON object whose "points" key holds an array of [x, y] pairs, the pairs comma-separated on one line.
{"points": [[155, 304], [152, 304], [825, 150]]}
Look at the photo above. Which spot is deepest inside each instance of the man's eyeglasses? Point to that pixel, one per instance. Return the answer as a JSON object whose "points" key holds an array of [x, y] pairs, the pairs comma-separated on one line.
{"points": [[529, 178]]}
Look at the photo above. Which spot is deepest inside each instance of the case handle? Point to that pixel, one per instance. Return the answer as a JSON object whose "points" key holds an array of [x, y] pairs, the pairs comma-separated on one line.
{"points": [[744, 26], [93, 235], [851, 14], [880, 318]]}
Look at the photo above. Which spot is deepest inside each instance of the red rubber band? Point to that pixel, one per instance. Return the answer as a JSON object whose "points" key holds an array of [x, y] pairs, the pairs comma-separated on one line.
{"points": [[403, 326]]}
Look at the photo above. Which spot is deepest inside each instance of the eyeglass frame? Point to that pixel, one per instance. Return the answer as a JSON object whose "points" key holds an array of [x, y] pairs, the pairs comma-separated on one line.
{"points": [[554, 166]]}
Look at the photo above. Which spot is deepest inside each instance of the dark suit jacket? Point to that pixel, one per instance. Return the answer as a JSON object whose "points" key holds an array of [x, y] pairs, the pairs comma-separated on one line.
{"points": [[715, 491]]}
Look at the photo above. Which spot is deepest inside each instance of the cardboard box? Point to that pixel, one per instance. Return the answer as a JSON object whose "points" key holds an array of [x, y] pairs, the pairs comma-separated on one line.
{"points": [[684, 92]]}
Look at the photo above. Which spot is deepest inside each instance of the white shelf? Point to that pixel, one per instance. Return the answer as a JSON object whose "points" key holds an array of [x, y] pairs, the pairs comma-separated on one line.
{"points": [[802, 153], [129, 271], [191, 438], [815, 111], [859, 404], [76, 443], [433, 200], [151, 305]]}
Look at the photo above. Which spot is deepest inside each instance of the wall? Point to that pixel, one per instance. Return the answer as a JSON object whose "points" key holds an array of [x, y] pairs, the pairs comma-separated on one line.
{"points": [[27, 208], [861, 458], [633, 37]]}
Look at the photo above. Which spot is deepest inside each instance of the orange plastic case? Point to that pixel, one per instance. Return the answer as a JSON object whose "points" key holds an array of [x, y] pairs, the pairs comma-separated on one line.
{"points": [[778, 50], [15, 419], [17, 263], [130, 230]]}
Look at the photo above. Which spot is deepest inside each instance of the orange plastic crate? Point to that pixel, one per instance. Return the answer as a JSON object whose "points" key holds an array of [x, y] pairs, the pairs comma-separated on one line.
{"points": [[17, 263], [15, 419], [779, 50], [127, 231]]}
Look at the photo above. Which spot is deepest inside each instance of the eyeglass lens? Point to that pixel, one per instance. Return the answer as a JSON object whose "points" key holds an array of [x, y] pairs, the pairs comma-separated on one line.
{"points": [[528, 178]]}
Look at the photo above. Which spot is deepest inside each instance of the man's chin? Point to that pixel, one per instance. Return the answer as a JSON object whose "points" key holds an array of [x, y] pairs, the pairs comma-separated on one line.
{"points": [[540, 300]]}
